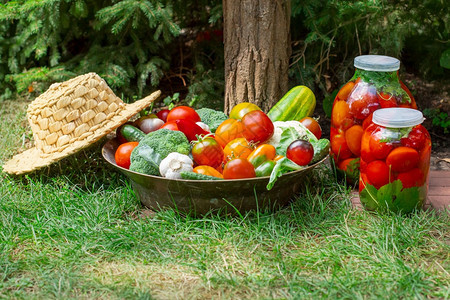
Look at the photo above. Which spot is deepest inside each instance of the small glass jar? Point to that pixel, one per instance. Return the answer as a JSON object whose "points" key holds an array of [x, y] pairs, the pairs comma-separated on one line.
{"points": [[374, 85], [395, 161]]}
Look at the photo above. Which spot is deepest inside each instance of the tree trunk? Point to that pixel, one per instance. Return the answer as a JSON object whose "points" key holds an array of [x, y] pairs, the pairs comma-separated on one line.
{"points": [[257, 51]]}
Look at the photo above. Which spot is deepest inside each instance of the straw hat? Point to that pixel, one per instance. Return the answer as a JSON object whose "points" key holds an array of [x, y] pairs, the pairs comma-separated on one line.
{"points": [[70, 116]]}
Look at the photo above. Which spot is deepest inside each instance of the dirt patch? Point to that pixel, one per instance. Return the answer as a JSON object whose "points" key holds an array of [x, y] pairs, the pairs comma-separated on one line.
{"points": [[169, 281], [173, 280]]}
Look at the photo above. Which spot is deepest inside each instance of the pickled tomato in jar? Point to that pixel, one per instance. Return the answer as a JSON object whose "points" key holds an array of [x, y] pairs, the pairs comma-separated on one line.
{"points": [[374, 85], [395, 161]]}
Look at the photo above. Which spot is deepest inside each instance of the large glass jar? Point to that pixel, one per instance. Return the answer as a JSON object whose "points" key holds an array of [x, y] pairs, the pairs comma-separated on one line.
{"points": [[374, 85], [395, 161]]}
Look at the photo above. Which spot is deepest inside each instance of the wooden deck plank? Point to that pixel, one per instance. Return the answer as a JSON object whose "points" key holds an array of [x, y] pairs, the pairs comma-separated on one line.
{"points": [[438, 191], [439, 178], [439, 202]]}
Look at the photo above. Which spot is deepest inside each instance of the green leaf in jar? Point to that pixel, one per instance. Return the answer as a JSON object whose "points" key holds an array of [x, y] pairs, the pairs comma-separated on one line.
{"points": [[394, 134], [393, 197], [368, 197], [388, 82]]}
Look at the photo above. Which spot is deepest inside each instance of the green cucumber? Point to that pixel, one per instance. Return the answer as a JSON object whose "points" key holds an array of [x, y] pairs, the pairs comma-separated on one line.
{"points": [[131, 133], [296, 104], [197, 176], [265, 169]]}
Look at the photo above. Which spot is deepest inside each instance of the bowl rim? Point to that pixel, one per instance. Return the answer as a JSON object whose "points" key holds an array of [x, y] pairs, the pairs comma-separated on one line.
{"points": [[264, 178]]}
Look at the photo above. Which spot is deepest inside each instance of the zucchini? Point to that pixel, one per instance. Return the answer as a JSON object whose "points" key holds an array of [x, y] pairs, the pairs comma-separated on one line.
{"points": [[197, 176], [296, 104], [131, 133]]}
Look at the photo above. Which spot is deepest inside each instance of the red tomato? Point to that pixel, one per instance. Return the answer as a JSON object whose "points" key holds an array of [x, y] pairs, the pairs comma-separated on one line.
{"points": [[241, 109], [238, 168], [402, 159], [237, 148], [229, 130], [386, 100], [339, 146], [424, 160], [379, 149], [362, 166], [220, 168], [416, 138], [171, 126], [366, 153], [123, 153], [207, 170], [378, 173], [335, 131], [301, 152], [353, 137], [183, 113], [207, 151], [345, 91], [312, 126], [162, 114], [190, 129], [344, 165], [363, 181], [350, 167], [363, 100], [367, 121], [258, 127], [340, 115], [415, 177]]}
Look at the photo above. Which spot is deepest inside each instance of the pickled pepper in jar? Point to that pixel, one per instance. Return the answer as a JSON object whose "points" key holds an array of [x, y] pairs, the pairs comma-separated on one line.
{"points": [[374, 85], [395, 161]]}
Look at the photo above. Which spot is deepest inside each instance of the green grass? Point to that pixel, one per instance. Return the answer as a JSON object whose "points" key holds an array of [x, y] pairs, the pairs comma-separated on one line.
{"points": [[67, 232]]}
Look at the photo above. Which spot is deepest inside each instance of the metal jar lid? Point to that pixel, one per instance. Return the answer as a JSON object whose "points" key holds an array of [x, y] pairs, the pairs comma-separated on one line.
{"points": [[377, 63], [397, 117]]}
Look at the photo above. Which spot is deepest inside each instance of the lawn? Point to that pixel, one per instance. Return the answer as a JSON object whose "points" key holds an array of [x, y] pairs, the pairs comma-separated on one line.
{"points": [[78, 231]]}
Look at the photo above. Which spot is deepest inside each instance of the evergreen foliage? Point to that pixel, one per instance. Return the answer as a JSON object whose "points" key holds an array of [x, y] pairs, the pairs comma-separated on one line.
{"points": [[174, 45], [327, 35], [129, 43]]}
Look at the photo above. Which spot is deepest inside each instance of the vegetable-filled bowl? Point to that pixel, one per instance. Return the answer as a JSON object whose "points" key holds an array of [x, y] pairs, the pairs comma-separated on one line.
{"points": [[203, 196]]}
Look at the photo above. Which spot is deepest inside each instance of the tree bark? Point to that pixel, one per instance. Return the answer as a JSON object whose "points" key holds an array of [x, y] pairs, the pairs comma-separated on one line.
{"points": [[257, 50]]}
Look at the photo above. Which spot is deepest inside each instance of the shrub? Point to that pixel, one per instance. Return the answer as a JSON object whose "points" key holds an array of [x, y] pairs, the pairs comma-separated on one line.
{"points": [[327, 35], [138, 45], [129, 43], [439, 118]]}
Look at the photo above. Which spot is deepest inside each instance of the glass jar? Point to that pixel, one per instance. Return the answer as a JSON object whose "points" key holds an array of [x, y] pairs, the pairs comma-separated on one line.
{"points": [[395, 161], [374, 85]]}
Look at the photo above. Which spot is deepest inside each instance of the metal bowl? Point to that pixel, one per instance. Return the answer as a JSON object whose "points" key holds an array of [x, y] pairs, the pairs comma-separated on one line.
{"points": [[203, 196]]}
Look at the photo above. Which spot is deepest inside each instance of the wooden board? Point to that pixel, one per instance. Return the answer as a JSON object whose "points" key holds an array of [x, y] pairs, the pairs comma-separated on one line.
{"points": [[438, 192]]}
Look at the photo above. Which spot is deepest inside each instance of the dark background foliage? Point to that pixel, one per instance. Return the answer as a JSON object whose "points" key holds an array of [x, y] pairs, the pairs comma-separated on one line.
{"points": [[138, 46]]}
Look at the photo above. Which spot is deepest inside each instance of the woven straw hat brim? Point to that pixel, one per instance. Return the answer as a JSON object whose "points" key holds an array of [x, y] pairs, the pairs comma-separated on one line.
{"points": [[33, 158]]}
